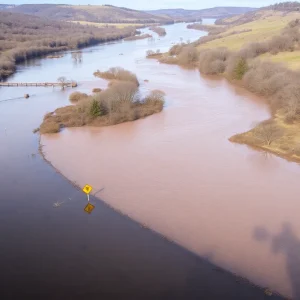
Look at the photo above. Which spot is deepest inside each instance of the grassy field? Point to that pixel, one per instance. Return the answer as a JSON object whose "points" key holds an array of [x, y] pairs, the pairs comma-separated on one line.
{"points": [[287, 145], [289, 59], [262, 29]]}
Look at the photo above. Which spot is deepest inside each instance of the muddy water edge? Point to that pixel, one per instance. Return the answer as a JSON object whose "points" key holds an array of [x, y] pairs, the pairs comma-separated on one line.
{"points": [[64, 253]]}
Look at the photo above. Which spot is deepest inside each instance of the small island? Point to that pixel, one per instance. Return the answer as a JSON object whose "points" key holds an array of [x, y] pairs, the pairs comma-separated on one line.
{"points": [[159, 30], [138, 37], [120, 102]]}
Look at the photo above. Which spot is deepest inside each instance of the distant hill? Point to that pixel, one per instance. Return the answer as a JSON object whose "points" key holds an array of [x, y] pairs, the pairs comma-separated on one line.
{"points": [[285, 6], [280, 9], [192, 15], [90, 13], [6, 6]]}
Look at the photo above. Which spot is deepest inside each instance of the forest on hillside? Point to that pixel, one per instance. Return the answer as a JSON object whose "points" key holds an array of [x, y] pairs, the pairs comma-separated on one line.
{"points": [[23, 37], [90, 13], [285, 6]]}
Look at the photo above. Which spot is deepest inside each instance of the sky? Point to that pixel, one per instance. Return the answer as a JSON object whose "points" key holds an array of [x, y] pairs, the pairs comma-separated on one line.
{"points": [[153, 4]]}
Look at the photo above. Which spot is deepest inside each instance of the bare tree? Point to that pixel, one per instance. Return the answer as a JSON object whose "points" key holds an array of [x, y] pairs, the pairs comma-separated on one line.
{"points": [[267, 132], [63, 81], [150, 53], [77, 56], [156, 95]]}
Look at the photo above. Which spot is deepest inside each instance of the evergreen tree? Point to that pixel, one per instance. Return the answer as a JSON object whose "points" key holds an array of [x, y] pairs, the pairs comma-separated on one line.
{"points": [[95, 109]]}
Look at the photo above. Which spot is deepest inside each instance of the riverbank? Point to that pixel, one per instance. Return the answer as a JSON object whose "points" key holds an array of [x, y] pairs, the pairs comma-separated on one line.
{"points": [[248, 67], [279, 138]]}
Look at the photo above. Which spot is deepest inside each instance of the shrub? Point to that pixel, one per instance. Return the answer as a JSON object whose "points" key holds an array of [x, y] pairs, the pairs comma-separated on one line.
{"points": [[77, 96], [217, 66], [150, 53], [118, 73], [49, 127], [213, 61], [237, 67], [153, 54], [138, 37], [176, 49], [188, 56], [253, 50], [172, 60], [156, 97], [159, 30], [36, 130], [97, 90], [280, 43]]}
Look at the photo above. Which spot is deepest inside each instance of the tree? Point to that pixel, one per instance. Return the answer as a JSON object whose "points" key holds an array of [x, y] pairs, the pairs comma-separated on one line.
{"points": [[240, 69], [63, 81], [77, 56], [267, 132], [156, 95], [150, 53], [95, 109]]}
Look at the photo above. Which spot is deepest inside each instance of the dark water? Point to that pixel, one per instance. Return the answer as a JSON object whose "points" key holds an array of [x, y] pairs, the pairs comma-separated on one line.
{"points": [[64, 253]]}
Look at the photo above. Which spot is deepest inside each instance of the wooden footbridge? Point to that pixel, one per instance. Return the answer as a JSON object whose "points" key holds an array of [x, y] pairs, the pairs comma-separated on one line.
{"points": [[45, 84]]}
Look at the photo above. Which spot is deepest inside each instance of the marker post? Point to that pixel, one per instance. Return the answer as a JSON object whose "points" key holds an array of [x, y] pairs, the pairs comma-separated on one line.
{"points": [[87, 190]]}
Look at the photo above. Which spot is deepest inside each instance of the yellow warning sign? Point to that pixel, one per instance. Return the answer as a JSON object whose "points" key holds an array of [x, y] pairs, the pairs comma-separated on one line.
{"points": [[87, 189], [89, 208]]}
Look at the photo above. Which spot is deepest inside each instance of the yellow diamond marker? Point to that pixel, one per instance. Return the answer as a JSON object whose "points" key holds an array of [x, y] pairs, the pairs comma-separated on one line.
{"points": [[87, 189], [89, 208]]}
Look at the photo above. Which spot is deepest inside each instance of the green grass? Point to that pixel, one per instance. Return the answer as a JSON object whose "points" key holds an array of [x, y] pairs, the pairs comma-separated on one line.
{"points": [[268, 25], [289, 59]]}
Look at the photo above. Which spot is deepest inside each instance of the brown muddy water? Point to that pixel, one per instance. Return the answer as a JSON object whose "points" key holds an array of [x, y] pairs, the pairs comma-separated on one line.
{"points": [[222, 204]]}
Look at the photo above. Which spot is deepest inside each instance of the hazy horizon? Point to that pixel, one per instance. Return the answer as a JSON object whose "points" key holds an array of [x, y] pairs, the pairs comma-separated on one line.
{"points": [[154, 4]]}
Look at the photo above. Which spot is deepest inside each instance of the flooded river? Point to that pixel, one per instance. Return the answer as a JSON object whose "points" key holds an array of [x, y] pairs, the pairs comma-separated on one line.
{"points": [[174, 172]]}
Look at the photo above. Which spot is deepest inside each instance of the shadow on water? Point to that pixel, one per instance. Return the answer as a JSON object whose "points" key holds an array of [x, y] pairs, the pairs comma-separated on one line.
{"points": [[287, 243]]}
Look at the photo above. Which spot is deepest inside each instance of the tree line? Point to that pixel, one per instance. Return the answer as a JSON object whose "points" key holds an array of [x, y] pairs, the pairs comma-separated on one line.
{"points": [[24, 37]]}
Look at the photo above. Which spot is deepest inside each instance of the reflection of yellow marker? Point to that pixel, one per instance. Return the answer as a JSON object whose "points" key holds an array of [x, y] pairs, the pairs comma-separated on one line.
{"points": [[87, 189], [89, 208]]}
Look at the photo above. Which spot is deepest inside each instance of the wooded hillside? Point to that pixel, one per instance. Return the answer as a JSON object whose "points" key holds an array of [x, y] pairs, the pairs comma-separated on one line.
{"points": [[23, 37], [90, 13], [264, 12], [184, 15]]}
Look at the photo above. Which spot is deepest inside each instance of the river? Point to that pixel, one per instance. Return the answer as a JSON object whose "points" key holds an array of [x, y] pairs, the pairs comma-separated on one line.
{"points": [[175, 172]]}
